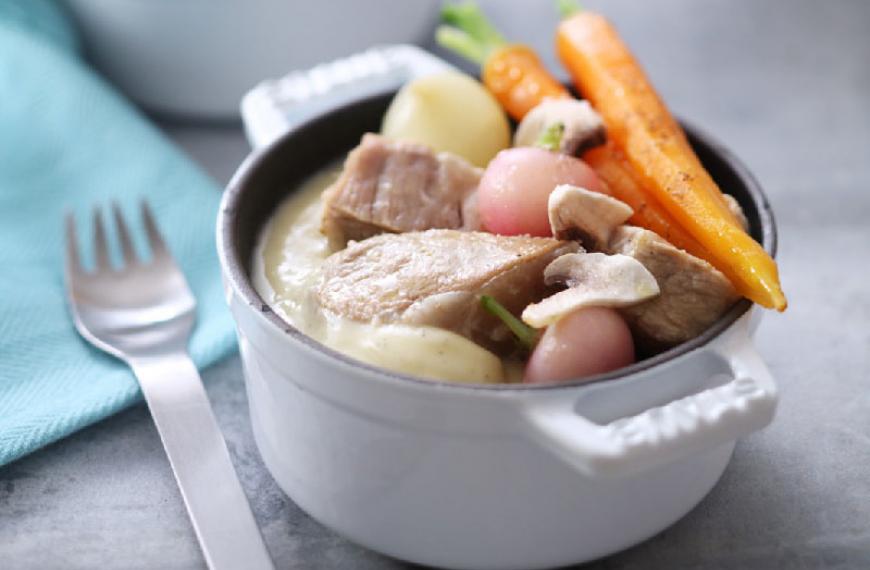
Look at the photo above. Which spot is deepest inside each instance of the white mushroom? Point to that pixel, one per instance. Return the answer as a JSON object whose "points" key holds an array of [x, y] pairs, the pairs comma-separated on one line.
{"points": [[737, 211], [594, 280], [585, 216], [582, 126]]}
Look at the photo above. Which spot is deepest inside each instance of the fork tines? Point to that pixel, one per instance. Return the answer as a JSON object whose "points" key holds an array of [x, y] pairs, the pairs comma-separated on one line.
{"points": [[101, 243]]}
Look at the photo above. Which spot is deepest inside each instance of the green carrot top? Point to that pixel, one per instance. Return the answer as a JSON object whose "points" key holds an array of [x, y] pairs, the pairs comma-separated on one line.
{"points": [[467, 32], [568, 8], [526, 336]]}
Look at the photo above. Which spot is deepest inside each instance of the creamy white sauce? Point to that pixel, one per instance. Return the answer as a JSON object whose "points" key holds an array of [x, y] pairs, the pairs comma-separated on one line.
{"points": [[287, 272]]}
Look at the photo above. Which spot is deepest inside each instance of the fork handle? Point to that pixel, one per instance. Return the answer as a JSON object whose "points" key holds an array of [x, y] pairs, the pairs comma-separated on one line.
{"points": [[217, 505]]}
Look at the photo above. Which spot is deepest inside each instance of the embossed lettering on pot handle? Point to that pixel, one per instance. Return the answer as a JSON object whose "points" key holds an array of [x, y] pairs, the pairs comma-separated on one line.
{"points": [[666, 433]]}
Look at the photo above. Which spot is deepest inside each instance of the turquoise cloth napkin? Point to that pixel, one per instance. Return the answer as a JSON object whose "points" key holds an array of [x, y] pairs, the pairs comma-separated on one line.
{"points": [[69, 141]]}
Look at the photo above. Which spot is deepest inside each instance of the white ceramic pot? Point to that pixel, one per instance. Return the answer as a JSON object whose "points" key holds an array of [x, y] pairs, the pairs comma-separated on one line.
{"points": [[196, 58], [496, 477]]}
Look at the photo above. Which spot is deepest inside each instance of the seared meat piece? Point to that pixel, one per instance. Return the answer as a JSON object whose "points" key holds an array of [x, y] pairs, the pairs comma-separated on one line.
{"points": [[693, 296], [734, 207], [589, 217], [389, 186], [582, 126], [436, 278]]}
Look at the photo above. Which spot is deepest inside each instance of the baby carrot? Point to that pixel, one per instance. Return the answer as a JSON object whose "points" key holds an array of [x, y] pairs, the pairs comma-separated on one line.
{"points": [[613, 168], [519, 81], [513, 73], [607, 74]]}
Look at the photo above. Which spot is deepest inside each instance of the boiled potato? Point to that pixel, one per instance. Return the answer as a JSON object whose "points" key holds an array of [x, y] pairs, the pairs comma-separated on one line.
{"points": [[449, 112], [424, 351]]}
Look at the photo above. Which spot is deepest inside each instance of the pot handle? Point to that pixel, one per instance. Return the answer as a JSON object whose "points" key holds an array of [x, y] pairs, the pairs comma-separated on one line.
{"points": [[277, 105], [667, 433]]}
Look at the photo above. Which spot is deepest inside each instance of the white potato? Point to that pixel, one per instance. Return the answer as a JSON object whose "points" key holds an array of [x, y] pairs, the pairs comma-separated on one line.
{"points": [[422, 351], [449, 112]]}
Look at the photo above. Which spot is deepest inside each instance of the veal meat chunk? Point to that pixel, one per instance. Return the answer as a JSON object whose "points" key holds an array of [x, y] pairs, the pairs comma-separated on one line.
{"points": [[436, 278], [393, 187], [693, 295]]}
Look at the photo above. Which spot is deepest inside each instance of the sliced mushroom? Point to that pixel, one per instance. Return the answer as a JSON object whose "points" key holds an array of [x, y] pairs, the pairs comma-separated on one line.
{"points": [[585, 216], [593, 280], [583, 127]]}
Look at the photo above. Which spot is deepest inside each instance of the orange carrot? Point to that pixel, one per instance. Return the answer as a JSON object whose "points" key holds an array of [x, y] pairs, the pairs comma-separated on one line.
{"points": [[519, 81], [607, 74], [513, 73], [613, 168]]}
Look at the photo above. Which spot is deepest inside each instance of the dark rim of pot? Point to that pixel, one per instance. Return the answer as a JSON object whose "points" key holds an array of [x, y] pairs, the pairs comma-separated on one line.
{"points": [[749, 194]]}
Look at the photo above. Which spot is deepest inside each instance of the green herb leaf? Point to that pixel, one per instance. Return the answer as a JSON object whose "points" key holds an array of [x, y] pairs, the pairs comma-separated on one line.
{"points": [[526, 335], [551, 138]]}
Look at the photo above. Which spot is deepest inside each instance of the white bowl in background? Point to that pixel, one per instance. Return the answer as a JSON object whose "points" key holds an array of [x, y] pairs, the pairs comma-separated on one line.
{"points": [[196, 58]]}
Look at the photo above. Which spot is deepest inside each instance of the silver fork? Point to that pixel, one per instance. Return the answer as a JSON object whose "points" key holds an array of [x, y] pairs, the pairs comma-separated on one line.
{"points": [[143, 313]]}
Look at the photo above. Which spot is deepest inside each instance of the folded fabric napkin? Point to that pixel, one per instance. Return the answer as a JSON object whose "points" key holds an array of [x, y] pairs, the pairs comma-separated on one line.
{"points": [[68, 142]]}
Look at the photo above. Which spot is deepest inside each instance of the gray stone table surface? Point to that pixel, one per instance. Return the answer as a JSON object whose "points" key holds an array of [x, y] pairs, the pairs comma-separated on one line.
{"points": [[784, 84]]}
